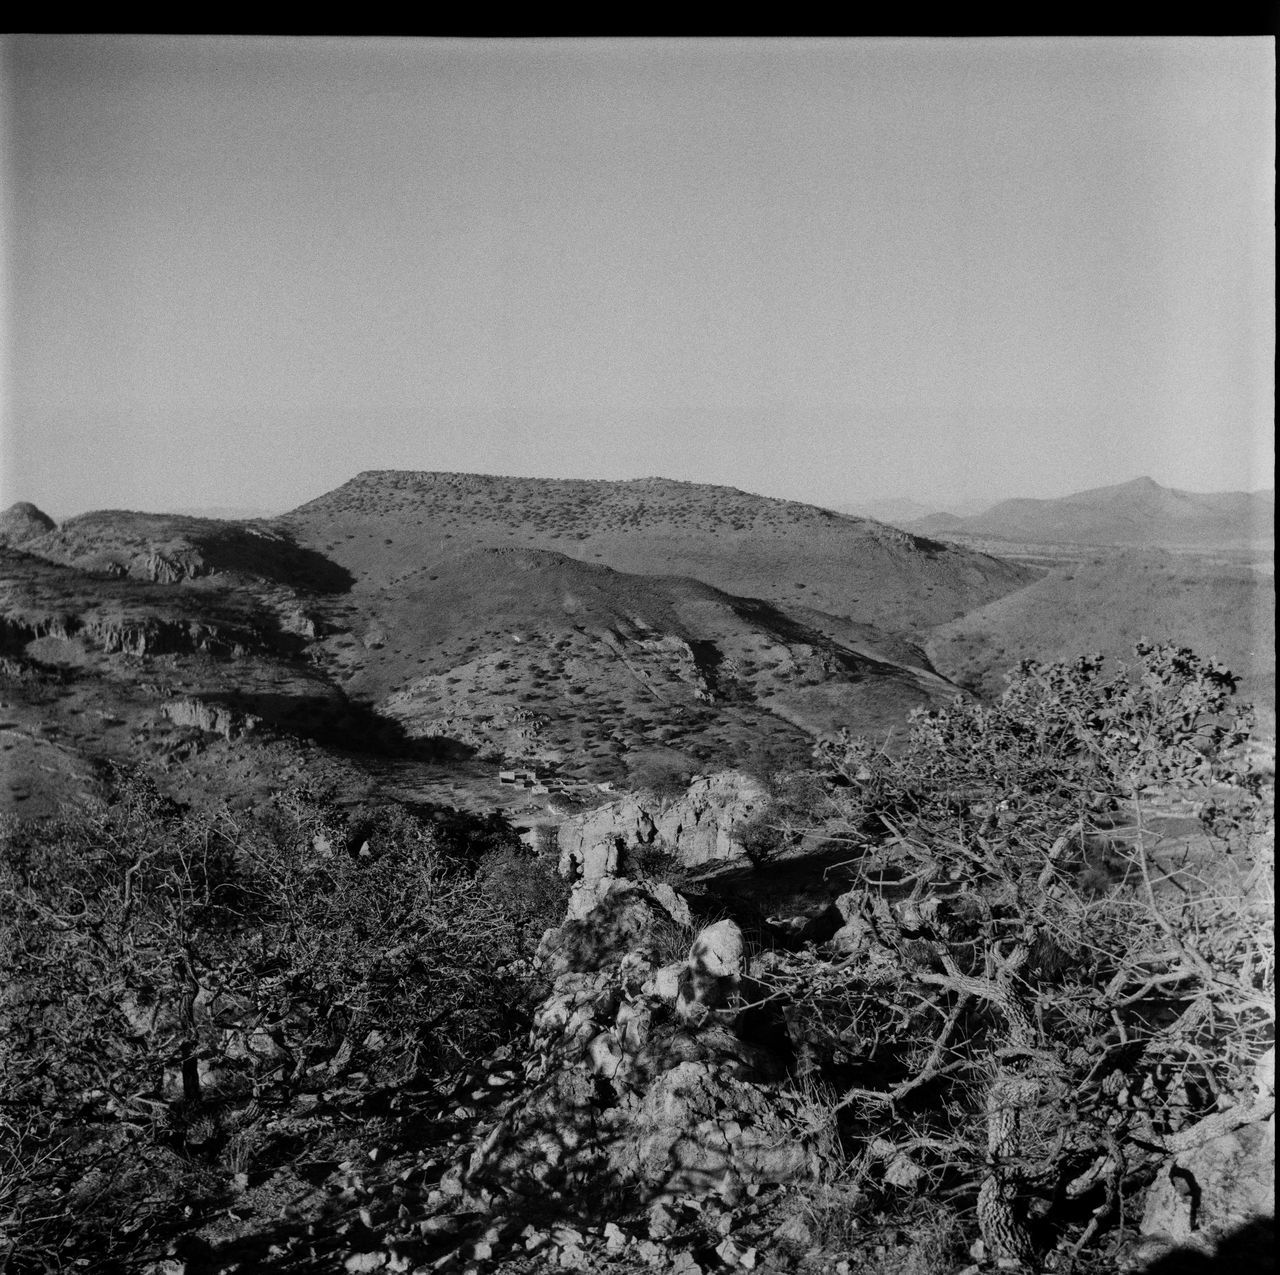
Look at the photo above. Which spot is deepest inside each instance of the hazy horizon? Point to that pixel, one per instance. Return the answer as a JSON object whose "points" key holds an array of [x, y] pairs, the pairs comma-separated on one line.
{"points": [[238, 271], [871, 506]]}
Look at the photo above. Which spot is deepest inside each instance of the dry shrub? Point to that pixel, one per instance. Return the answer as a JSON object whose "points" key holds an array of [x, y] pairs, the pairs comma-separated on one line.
{"points": [[527, 888], [1004, 1019], [159, 969], [655, 862]]}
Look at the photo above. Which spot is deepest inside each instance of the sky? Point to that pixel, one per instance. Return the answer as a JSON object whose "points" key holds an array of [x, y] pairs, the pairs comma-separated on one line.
{"points": [[238, 271]]}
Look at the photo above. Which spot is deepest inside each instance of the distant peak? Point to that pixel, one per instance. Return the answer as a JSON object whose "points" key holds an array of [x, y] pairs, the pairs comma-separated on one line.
{"points": [[24, 521], [25, 509]]}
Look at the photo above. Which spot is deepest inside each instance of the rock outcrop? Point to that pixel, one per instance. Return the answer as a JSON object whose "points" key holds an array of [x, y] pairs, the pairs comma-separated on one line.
{"points": [[713, 973], [213, 718], [22, 522], [697, 827], [1205, 1195], [640, 1073], [117, 634], [1218, 1188]]}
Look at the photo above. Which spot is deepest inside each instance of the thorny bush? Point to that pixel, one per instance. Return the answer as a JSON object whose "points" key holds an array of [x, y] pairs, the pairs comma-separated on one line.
{"points": [[159, 967], [1034, 997]]}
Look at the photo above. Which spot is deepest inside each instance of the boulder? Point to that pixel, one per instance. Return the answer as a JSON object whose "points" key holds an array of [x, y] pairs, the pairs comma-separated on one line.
{"points": [[713, 972], [1207, 1194], [621, 922], [589, 863], [604, 1056], [665, 984], [1264, 1073], [698, 1130]]}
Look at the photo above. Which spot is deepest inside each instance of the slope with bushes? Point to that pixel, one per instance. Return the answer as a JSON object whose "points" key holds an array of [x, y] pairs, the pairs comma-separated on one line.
{"points": [[1106, 601], [1043, 1001], [181, 989], [385, 523]]}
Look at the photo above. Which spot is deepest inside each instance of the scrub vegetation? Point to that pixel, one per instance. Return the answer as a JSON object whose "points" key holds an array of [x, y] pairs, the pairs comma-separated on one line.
{"points": [[1035, 998]]}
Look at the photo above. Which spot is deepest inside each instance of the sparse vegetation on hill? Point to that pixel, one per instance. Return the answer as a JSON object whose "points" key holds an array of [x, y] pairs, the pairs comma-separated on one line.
{"points": [[748, 545], [1107, 601], [534, 656], [461, 631]]}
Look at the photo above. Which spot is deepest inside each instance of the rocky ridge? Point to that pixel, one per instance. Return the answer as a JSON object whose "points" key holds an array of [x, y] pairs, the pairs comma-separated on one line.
{"points": [[652, 1075]]}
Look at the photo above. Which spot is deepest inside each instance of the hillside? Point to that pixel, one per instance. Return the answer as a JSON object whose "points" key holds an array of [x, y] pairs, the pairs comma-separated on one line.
{"points": [[211, 684], [1138, 513], [430, 629], [1107, 601], [171, 548], [383, 525], [219, 648], [531, 654]]}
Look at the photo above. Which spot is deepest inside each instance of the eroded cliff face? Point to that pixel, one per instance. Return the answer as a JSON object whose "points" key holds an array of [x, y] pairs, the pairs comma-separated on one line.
{"points": [[696, 827], [214, 718], [122, 635]]}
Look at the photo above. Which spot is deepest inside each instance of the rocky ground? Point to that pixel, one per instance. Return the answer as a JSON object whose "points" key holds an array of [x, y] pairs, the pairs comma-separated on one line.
{"points": [[656, 1118]]}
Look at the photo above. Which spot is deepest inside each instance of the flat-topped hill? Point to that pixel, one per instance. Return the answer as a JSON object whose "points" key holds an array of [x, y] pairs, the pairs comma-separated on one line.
{"points": [[385, 523], [439, 639]]}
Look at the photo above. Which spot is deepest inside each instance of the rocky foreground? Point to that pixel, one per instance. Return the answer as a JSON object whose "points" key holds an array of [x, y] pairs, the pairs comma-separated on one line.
{"points": [[667, 1112], [1003, 999]]}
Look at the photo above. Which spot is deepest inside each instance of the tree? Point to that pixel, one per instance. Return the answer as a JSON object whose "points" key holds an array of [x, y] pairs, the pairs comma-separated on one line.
{"points": [[991, 1021]]}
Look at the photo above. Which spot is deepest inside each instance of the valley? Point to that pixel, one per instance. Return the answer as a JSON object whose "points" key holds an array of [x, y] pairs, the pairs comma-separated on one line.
{"points": [[462, 623], [615, 634]]}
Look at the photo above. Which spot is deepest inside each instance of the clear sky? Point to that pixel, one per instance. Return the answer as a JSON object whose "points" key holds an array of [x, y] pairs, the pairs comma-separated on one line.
{"points": [[238, 271]]}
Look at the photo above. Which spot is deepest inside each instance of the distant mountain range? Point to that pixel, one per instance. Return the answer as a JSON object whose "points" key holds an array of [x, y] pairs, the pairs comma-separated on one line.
{"points": [[240, 513], [1137, 513]]}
